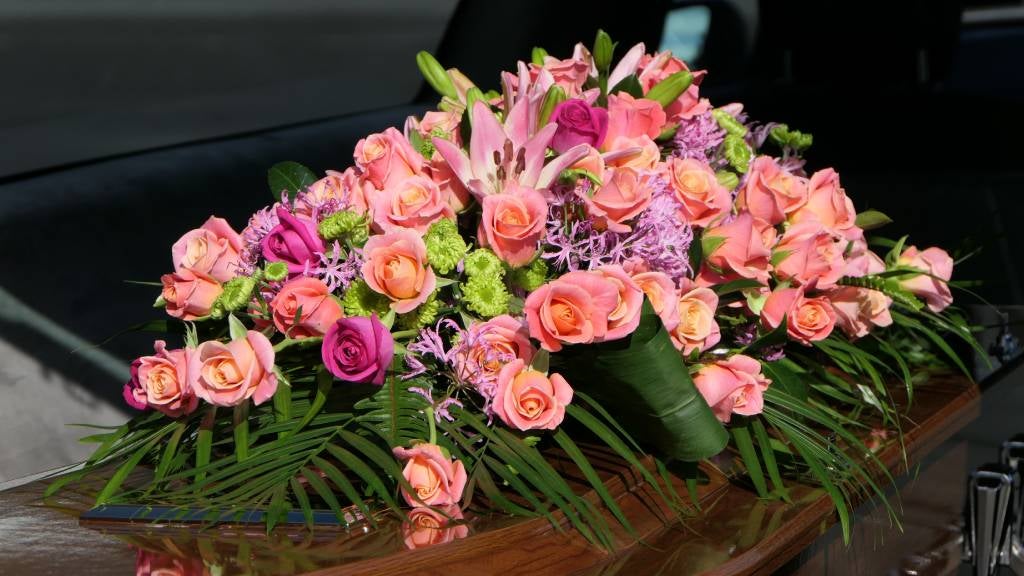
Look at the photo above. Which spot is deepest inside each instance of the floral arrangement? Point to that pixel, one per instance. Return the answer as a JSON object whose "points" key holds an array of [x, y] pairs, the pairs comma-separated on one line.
{"points": [[594, 251]]}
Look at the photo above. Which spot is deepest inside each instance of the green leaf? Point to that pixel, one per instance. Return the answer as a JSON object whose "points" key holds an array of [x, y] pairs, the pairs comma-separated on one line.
{"points": [[112, 485], [745, 445], [736, 286], [644, 378], [241, 431], [278, 508], [303, 499], [779, 335], [783, 377], [170, 449], [630, 85], [321, 488], [324, 382], [871, 219], [574, 453], [289, 178], [346, 487], [666, 91], [708, 244], [436, 75], [204, 440], [768, 454], [779, 256]]}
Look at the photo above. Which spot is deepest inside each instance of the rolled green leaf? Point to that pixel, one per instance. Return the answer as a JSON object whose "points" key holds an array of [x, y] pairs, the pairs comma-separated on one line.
{"points": [[555, 96], [666, 91], [289, 177], [642, 382]]}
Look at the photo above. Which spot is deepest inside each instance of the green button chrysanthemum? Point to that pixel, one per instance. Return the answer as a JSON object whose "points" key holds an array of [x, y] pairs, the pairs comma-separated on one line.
{"points": [[345, 225], [483, 262], [361, 300], [236, 295], [530, 277], [445, 246], [486, 295]]}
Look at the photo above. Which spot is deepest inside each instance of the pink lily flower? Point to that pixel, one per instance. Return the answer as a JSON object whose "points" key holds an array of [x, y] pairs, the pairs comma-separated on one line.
{"points": [[502, 153]]}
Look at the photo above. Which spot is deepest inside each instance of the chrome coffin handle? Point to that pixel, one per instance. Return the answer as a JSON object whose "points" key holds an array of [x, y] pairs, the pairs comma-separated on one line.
{"points": [[989, 518]]}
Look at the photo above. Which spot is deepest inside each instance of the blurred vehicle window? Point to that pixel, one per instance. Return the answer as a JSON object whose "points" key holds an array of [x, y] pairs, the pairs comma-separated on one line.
{"points": [[85, 79], [685, 31]]}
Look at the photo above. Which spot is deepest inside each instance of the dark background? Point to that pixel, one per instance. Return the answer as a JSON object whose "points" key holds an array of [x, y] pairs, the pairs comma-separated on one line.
{"points": [[125, 123]]}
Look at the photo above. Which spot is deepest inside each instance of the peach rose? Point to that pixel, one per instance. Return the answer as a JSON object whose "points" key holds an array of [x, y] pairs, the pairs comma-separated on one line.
{"points": [[528, 400], [931, 285], [512, 223], [697, 328], [695, 186], [414, 203], [624, 319], [573, 309], [387, 158], [318, 308], [396, 266], [622, 196], [730, 386], [211, 249], [229, 374], [859, 310], [809, 253], [428, 527], [770, 192], [492, 344], [593, 162], [435, 479], [828, 204], [189, 295], [742, 253], [661, 292], [643, 153], [807, 319], [630, 117], [160, 381]]}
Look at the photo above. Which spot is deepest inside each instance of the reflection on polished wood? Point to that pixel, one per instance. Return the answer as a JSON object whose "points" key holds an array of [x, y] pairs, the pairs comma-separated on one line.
{"points": [[735, 534]]}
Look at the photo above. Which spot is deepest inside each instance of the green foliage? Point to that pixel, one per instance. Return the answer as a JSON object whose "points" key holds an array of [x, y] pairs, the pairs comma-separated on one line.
{"points": [[289, 178]]}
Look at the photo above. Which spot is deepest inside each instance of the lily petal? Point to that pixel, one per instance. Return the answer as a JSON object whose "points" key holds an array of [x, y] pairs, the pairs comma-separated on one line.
{"points": [[555, 167], [627, 65]]}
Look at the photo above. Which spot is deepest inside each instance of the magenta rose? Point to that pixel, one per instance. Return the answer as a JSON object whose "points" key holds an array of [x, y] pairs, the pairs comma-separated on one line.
{"points": [[294, 241], [578, 123], [358, 349]]}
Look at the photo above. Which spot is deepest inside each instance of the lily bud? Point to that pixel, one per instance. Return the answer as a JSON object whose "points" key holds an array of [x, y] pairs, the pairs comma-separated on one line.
{"points": [[555, 96], [435, 74], [603, 50], [666, 91]]}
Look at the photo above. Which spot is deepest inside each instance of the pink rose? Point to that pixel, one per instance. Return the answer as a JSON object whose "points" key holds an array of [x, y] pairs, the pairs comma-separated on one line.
{"points": [[573, 309], [160, 381], [741, 253], [491, 345], [695, 186], [578, 123], [435, 479], [319, 310], [630, 117], [622, 196], [528, 400], [625, 317], [387, 158], [810, 253], [770, 192], [730, 386], [189, 295], [428, 527], [396, 266], [358, 349], [828, 204], [149, 563], [937, 268], [859, 310], [807, 319], [451, 187], [661, 292], [413, 203], [571, 74], [229, 374], [512, 223], [212, 249], [641, 153], [294, 241], [697, 328]]}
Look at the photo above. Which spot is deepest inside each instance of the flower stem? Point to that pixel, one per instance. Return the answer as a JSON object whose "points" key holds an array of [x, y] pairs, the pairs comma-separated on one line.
{"points": [[433, 426], [404, 334]]}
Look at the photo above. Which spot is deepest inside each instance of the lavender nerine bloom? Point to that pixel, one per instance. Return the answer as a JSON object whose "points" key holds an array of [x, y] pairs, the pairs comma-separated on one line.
{"points": [[698, 137], [658, 237], [337, 268]]}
